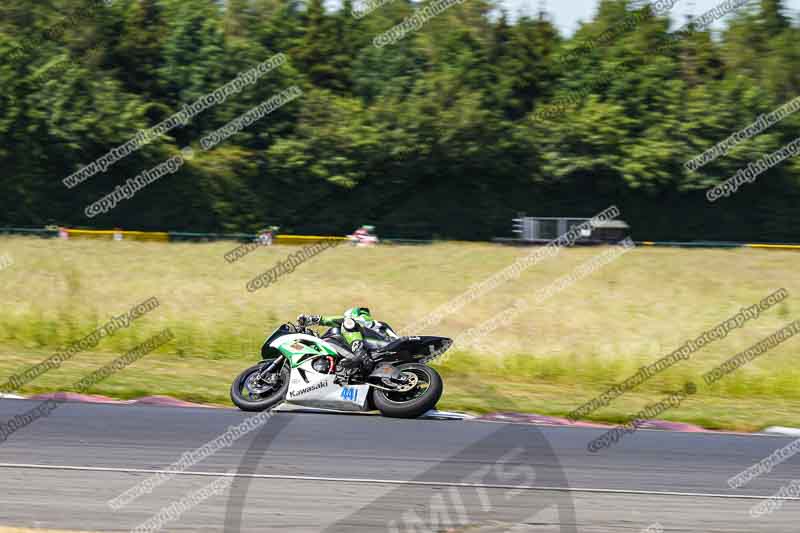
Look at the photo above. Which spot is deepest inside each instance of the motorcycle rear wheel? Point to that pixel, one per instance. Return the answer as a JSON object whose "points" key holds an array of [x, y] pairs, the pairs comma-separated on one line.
{"points": [[248, 395], [415, 402]]}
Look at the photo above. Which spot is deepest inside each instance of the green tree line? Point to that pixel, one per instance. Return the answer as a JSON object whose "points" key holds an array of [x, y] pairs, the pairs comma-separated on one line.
{"points": [[449, 132]]}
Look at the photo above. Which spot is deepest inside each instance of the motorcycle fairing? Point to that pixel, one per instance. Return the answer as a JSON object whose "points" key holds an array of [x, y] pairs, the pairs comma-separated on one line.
{"points": [[300, 347], [312, 389]]}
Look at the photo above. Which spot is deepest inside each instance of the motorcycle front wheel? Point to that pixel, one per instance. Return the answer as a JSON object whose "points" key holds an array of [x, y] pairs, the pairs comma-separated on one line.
{"points": [[249, 393], [420, 397]]}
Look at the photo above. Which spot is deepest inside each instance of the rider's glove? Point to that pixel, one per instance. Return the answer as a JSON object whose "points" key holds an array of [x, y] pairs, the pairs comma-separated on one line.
{"points": [[310, 320]]}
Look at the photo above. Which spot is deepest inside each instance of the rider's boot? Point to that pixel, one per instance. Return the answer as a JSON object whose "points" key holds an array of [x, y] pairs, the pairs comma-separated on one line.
{"points": [[359, 365]]}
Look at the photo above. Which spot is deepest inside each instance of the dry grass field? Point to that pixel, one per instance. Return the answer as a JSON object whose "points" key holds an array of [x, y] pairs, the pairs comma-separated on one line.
{"points": [[548, 359]]}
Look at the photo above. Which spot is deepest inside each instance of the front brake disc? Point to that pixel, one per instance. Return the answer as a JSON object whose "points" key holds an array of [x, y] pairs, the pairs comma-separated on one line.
{"points": [[252, 384]]}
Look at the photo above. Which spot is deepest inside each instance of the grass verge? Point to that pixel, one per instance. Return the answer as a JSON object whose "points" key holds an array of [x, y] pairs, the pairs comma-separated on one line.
{"points": [[549, 359]]}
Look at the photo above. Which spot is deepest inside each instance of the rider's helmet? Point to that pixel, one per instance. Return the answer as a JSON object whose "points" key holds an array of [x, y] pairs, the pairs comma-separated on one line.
{"points": [[360, 314]]}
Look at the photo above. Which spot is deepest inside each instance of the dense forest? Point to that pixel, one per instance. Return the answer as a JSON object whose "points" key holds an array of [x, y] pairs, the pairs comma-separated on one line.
{"points": [[470, 118]]}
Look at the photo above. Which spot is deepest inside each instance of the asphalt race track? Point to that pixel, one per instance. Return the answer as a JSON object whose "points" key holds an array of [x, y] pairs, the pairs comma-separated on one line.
{"points": [[357, 473]]}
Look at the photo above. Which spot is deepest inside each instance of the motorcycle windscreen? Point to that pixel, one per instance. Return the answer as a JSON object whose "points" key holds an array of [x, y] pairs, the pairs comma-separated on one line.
{"points": [[268, 352]]}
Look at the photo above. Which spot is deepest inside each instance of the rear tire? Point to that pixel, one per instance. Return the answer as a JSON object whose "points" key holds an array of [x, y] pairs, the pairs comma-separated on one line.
{"points": [[245, 400], [394, 404]]}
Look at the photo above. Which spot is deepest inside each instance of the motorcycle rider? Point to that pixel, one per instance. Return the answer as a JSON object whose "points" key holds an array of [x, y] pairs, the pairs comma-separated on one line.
{"points": [[352, 324]]}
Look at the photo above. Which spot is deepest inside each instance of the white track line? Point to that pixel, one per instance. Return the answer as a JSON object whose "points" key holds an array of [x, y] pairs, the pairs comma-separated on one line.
{"points": [[394, 482], [782, 431]]}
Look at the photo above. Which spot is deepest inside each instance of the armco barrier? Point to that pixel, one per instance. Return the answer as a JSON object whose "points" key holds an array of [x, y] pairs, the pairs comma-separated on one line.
{"points": [[164, 236], [293, 240], [299, 240], [712, 244], [35, 232], [158, 236], [777, 246], [693, 244]]}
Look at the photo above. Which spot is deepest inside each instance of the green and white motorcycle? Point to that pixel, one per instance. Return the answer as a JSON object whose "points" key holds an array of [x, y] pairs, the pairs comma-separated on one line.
{"points": [[299, 367]]}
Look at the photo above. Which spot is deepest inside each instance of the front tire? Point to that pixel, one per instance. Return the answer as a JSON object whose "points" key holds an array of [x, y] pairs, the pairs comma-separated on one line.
{"points": [[248, 395], [418, 401]]}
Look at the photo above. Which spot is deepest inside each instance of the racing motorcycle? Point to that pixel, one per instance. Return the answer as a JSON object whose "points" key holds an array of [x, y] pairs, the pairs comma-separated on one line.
{"points": [[299, 367]]}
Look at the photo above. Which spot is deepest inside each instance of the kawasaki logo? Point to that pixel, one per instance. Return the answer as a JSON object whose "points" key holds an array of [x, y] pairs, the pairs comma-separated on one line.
{"points": [[320, 385]]}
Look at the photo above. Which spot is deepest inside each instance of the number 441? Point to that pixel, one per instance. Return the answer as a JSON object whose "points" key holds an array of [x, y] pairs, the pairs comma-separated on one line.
{"points": [[350, 393]]}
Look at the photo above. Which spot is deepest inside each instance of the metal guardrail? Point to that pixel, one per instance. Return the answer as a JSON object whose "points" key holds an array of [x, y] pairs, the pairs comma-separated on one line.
{"points": [[158, 236], [165, 236], [715, 244], [178, 236], [42, 232]]}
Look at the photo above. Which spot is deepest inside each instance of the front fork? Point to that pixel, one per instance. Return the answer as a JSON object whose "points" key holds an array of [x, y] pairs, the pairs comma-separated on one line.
{"points": [[272, 368]]}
